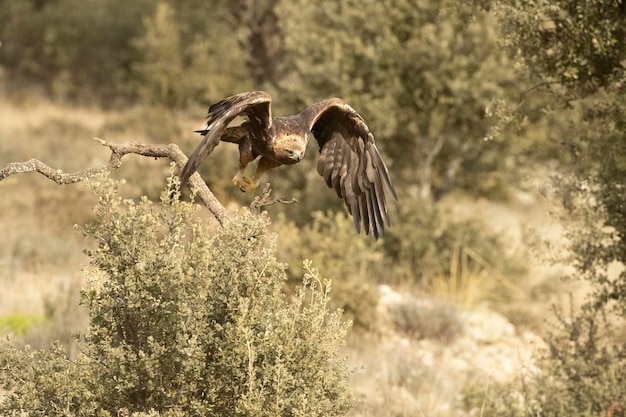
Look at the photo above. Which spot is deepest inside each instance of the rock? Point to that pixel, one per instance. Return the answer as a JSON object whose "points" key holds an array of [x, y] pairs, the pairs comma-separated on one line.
{"points": [[485, 326]]}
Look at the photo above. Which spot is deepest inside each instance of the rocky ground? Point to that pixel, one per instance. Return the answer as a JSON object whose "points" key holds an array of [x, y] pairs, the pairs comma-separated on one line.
{"points": [[406, 375]]}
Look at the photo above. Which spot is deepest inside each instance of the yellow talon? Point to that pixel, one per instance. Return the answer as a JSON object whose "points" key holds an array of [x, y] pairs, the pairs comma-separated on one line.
{"points": [[244, 183]]}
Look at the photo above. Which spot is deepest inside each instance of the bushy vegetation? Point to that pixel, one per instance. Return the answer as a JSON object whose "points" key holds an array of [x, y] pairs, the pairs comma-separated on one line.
{"points": [[186, 320], [576, 50], [92, 52], [457, 260]]}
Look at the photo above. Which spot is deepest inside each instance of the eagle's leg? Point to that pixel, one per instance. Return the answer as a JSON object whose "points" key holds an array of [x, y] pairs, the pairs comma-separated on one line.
{"points": [[241, 181], [246, 155], [264, 165]]}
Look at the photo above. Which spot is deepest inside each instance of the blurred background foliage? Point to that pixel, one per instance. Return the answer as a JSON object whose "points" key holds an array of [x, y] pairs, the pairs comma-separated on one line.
{"points": [[433, 79], [421, 73], [424, 74], [469, 101]]}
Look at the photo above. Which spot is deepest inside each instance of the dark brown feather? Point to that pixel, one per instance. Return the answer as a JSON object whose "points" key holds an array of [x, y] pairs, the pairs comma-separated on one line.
{"points": [[350, 163], [255, 105]]}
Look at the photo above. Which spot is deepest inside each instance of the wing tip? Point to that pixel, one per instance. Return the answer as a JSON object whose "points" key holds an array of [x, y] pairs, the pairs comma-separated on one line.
{"points": [[185, 174]]}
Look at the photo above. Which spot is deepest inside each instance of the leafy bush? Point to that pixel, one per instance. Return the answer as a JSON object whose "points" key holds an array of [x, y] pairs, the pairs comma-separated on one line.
{"points": [[186, 320], [575, 48], [354, 263], [427, 249]]}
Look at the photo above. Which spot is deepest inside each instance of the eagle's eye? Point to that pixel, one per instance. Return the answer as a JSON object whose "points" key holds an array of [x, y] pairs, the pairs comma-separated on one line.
{"points": [[295, 154]]}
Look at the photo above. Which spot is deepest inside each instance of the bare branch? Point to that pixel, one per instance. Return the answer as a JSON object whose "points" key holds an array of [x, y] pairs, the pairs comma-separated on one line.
{"points": [[525, 93], [427, 171], [118, 150], [265, 200]]}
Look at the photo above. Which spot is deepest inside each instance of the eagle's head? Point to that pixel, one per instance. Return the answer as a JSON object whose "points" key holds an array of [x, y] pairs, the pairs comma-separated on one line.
{"points": [[290, 149]]}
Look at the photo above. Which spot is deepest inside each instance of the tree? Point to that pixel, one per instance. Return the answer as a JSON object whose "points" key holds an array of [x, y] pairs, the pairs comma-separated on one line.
{"points": [[421, 72], [575, 50], [578, 44], [179, 67], [90, 52], [257, 25], [77, 50]]}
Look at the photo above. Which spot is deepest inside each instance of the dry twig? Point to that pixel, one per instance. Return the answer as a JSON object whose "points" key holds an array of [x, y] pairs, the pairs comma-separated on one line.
{"points": [[265, 200]]}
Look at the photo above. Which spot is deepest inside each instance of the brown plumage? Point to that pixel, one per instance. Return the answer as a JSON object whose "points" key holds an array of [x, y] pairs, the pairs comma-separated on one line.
{"points": [[349, 161]]}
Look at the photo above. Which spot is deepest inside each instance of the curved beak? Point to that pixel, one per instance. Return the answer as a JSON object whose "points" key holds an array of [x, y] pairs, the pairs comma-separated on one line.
{"points": [[296, 155]]}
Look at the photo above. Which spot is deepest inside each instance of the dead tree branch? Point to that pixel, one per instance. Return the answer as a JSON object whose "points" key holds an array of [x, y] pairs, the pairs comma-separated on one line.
{"points": [[264, 200], [118, 150]]}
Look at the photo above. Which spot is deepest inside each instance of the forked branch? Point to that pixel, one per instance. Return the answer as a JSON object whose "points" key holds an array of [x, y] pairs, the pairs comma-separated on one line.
{"points": [[265, 199], [118, 150]]}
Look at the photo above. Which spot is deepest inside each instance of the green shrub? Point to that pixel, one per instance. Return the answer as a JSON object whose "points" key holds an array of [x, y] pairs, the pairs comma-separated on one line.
{"points": [[428, 239], [185, 320], [428, 249], [354, 263]]}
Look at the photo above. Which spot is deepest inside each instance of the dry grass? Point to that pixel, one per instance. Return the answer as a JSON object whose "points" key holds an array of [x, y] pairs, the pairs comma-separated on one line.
{"points": [[468, 283], [532, 233], [41, 253], [405, 384]]}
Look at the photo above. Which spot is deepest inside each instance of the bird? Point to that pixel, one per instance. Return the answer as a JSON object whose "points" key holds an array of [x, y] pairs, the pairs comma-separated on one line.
{"points": [[349, 161]]}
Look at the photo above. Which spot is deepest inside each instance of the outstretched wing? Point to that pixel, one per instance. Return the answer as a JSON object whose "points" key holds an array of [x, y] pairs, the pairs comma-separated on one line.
{"points": [[255, 105], [350, 163]]}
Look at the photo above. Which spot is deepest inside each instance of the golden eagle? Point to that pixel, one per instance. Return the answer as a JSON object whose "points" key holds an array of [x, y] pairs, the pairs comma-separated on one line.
{"points": [[349, 161]]}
